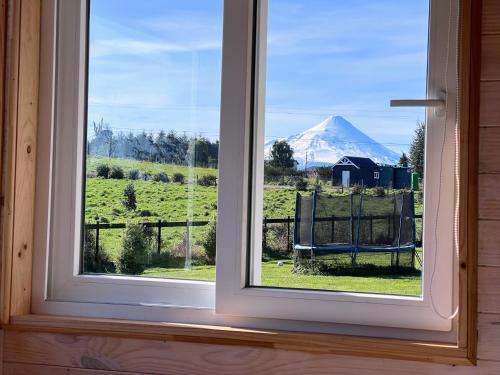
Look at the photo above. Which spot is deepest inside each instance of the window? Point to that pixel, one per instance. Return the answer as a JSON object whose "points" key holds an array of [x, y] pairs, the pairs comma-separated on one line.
{"points": [[319, 224]]}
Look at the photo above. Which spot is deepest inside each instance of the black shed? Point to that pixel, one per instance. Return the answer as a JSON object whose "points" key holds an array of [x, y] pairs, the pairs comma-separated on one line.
{"points": [[352, 170]]}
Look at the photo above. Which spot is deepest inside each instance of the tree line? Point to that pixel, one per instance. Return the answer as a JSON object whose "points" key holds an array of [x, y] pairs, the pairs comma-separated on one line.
{"points": [[163, 147]]}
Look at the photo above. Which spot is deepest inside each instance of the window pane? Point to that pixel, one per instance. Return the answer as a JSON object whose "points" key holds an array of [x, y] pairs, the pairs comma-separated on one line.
{"points": [[152, 138], [343, 172]]}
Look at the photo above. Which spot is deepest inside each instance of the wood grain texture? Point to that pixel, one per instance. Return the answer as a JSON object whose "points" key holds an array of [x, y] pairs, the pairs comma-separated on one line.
{"points": [[489, 196], [491, 16], [164, 357], [24, 369], [490, 65], [489, 150], [489, 243], [489, 290], [313, 343], [489, 336], [26, 160], [490, 97]]}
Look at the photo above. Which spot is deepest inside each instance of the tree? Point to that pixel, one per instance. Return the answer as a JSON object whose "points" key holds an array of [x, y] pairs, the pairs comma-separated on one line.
{"points": [[282, 156], [417, 149], [130, 201], [403, 160], [135, 251]]}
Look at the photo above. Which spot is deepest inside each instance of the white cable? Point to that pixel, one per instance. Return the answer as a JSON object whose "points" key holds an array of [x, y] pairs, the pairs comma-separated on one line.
{"points": [[456, 205]]}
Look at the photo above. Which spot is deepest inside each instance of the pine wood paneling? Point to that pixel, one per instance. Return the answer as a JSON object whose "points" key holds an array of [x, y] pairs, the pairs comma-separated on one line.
{"points": [[489, 243], [24, 369], [490, 99], [491, 16], [163, 357], [489, 290], [489, 336], [489, 196], [490, 64], [489, 150]]}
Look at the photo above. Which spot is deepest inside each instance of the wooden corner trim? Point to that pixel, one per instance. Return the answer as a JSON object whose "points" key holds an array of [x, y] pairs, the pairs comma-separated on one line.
{"points": [[217, 335]]}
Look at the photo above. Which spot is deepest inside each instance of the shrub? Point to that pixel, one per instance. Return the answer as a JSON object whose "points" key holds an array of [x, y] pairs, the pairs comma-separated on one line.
{"points": [[178, 177], [102, 170], [91, 264], [117, 173], [209, 241], [146, 213], [130, 201], [207, 180], [301, 184], [134, 174], [135, 251], [379, 191], [146, 176], [160, 177]]}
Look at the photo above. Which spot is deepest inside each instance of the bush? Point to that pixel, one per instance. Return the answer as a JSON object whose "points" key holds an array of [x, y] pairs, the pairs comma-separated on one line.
{"points": [[146, 213], [178, 177], [91, 264], [146, 176], [130, 201], [379, 191], [209, 241], [116, 173], [301, 184], [102, 170], [135, 251], [207, 180], [133, 174], [160, 177]]}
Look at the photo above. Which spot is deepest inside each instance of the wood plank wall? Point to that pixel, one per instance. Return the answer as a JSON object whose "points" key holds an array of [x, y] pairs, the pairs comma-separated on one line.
{"points": [[44, 353]]}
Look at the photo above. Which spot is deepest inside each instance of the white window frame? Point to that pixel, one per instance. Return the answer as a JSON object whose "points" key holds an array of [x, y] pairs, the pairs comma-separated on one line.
{"points": [[237, 291], [376, 175], [231, 301]]}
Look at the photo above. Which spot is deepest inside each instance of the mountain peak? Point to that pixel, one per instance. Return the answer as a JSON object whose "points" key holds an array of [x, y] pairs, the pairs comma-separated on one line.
{"points": [[333, 138]]}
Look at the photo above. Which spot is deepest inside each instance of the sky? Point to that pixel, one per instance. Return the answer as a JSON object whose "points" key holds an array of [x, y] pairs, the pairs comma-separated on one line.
{"points": [[156, 65]]}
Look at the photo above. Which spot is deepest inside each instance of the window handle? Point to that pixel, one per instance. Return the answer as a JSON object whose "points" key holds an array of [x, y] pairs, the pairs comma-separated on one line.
{"points": [[432, 103]]}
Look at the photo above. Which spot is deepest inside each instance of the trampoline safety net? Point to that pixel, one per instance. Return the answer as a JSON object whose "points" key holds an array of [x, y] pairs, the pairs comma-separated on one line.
{"points": [[356, 229]]}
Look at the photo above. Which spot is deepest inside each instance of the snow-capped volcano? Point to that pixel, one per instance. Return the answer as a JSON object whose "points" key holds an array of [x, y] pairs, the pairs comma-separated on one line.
{"points": [[327, 142]]}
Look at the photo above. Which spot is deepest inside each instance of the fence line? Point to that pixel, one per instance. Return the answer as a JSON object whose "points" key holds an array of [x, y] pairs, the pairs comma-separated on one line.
{"points": [[97, 226]]}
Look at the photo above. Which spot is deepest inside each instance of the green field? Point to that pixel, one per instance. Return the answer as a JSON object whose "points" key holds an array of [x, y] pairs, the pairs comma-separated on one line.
{"points": [[190, 201]]}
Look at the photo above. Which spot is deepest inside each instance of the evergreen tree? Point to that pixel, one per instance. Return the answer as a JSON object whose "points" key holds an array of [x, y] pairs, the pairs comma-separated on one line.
{"points": [[130, 201], [417, 149], [135, 251], [403, 160], [282, 156]]}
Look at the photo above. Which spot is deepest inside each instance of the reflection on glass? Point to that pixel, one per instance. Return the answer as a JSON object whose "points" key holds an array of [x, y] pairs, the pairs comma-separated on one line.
{"points": [[343, 171], [152, 138]]}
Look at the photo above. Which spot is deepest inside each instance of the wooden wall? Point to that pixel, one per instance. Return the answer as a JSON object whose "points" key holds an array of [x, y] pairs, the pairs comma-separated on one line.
{"points": [[45, 353]]}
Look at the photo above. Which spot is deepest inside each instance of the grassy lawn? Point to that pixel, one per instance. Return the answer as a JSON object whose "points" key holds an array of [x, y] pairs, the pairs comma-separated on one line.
{"points": [[190, 201], [282, 276]]}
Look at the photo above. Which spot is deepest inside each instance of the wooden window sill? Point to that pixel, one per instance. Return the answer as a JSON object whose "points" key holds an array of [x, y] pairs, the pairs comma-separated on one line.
{"points": [[203, 334]]}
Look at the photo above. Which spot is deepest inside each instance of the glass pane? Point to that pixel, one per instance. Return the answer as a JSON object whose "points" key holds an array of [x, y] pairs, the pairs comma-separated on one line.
{"points": [[152, 138], [342, 170]]}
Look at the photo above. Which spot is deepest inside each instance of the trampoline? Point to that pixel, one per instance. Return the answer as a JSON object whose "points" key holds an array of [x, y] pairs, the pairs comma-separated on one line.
{"points": [[355, 223]]}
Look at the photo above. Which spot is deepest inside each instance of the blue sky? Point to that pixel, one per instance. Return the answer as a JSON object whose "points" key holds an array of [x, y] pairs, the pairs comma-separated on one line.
{"points": [[156, 64]]}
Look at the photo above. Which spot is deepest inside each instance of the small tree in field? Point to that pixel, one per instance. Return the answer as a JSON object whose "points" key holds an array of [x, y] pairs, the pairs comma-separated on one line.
{"points": [[135, 251], [130, 201], [282, 156], [417, 149], [209, 241]]}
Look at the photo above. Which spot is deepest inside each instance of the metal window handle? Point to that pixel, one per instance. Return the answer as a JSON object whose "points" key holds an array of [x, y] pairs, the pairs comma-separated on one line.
{"points": [[433, 103]]}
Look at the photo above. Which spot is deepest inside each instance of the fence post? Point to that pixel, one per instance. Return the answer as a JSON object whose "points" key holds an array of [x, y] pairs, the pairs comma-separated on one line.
{"points": [[158, 249], [288, 234], [96, 239], [264, 234]]}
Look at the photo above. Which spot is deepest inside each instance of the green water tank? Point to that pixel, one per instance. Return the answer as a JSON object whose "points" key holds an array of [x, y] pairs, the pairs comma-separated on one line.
{"points": [[415, 178]]}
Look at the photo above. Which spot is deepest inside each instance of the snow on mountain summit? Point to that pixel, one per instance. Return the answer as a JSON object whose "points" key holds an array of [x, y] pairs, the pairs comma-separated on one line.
{"points": [[327, 142]]}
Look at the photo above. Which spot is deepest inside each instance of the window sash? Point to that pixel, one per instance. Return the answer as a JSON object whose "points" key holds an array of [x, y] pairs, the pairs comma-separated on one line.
{"points": [[235, 297]]}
